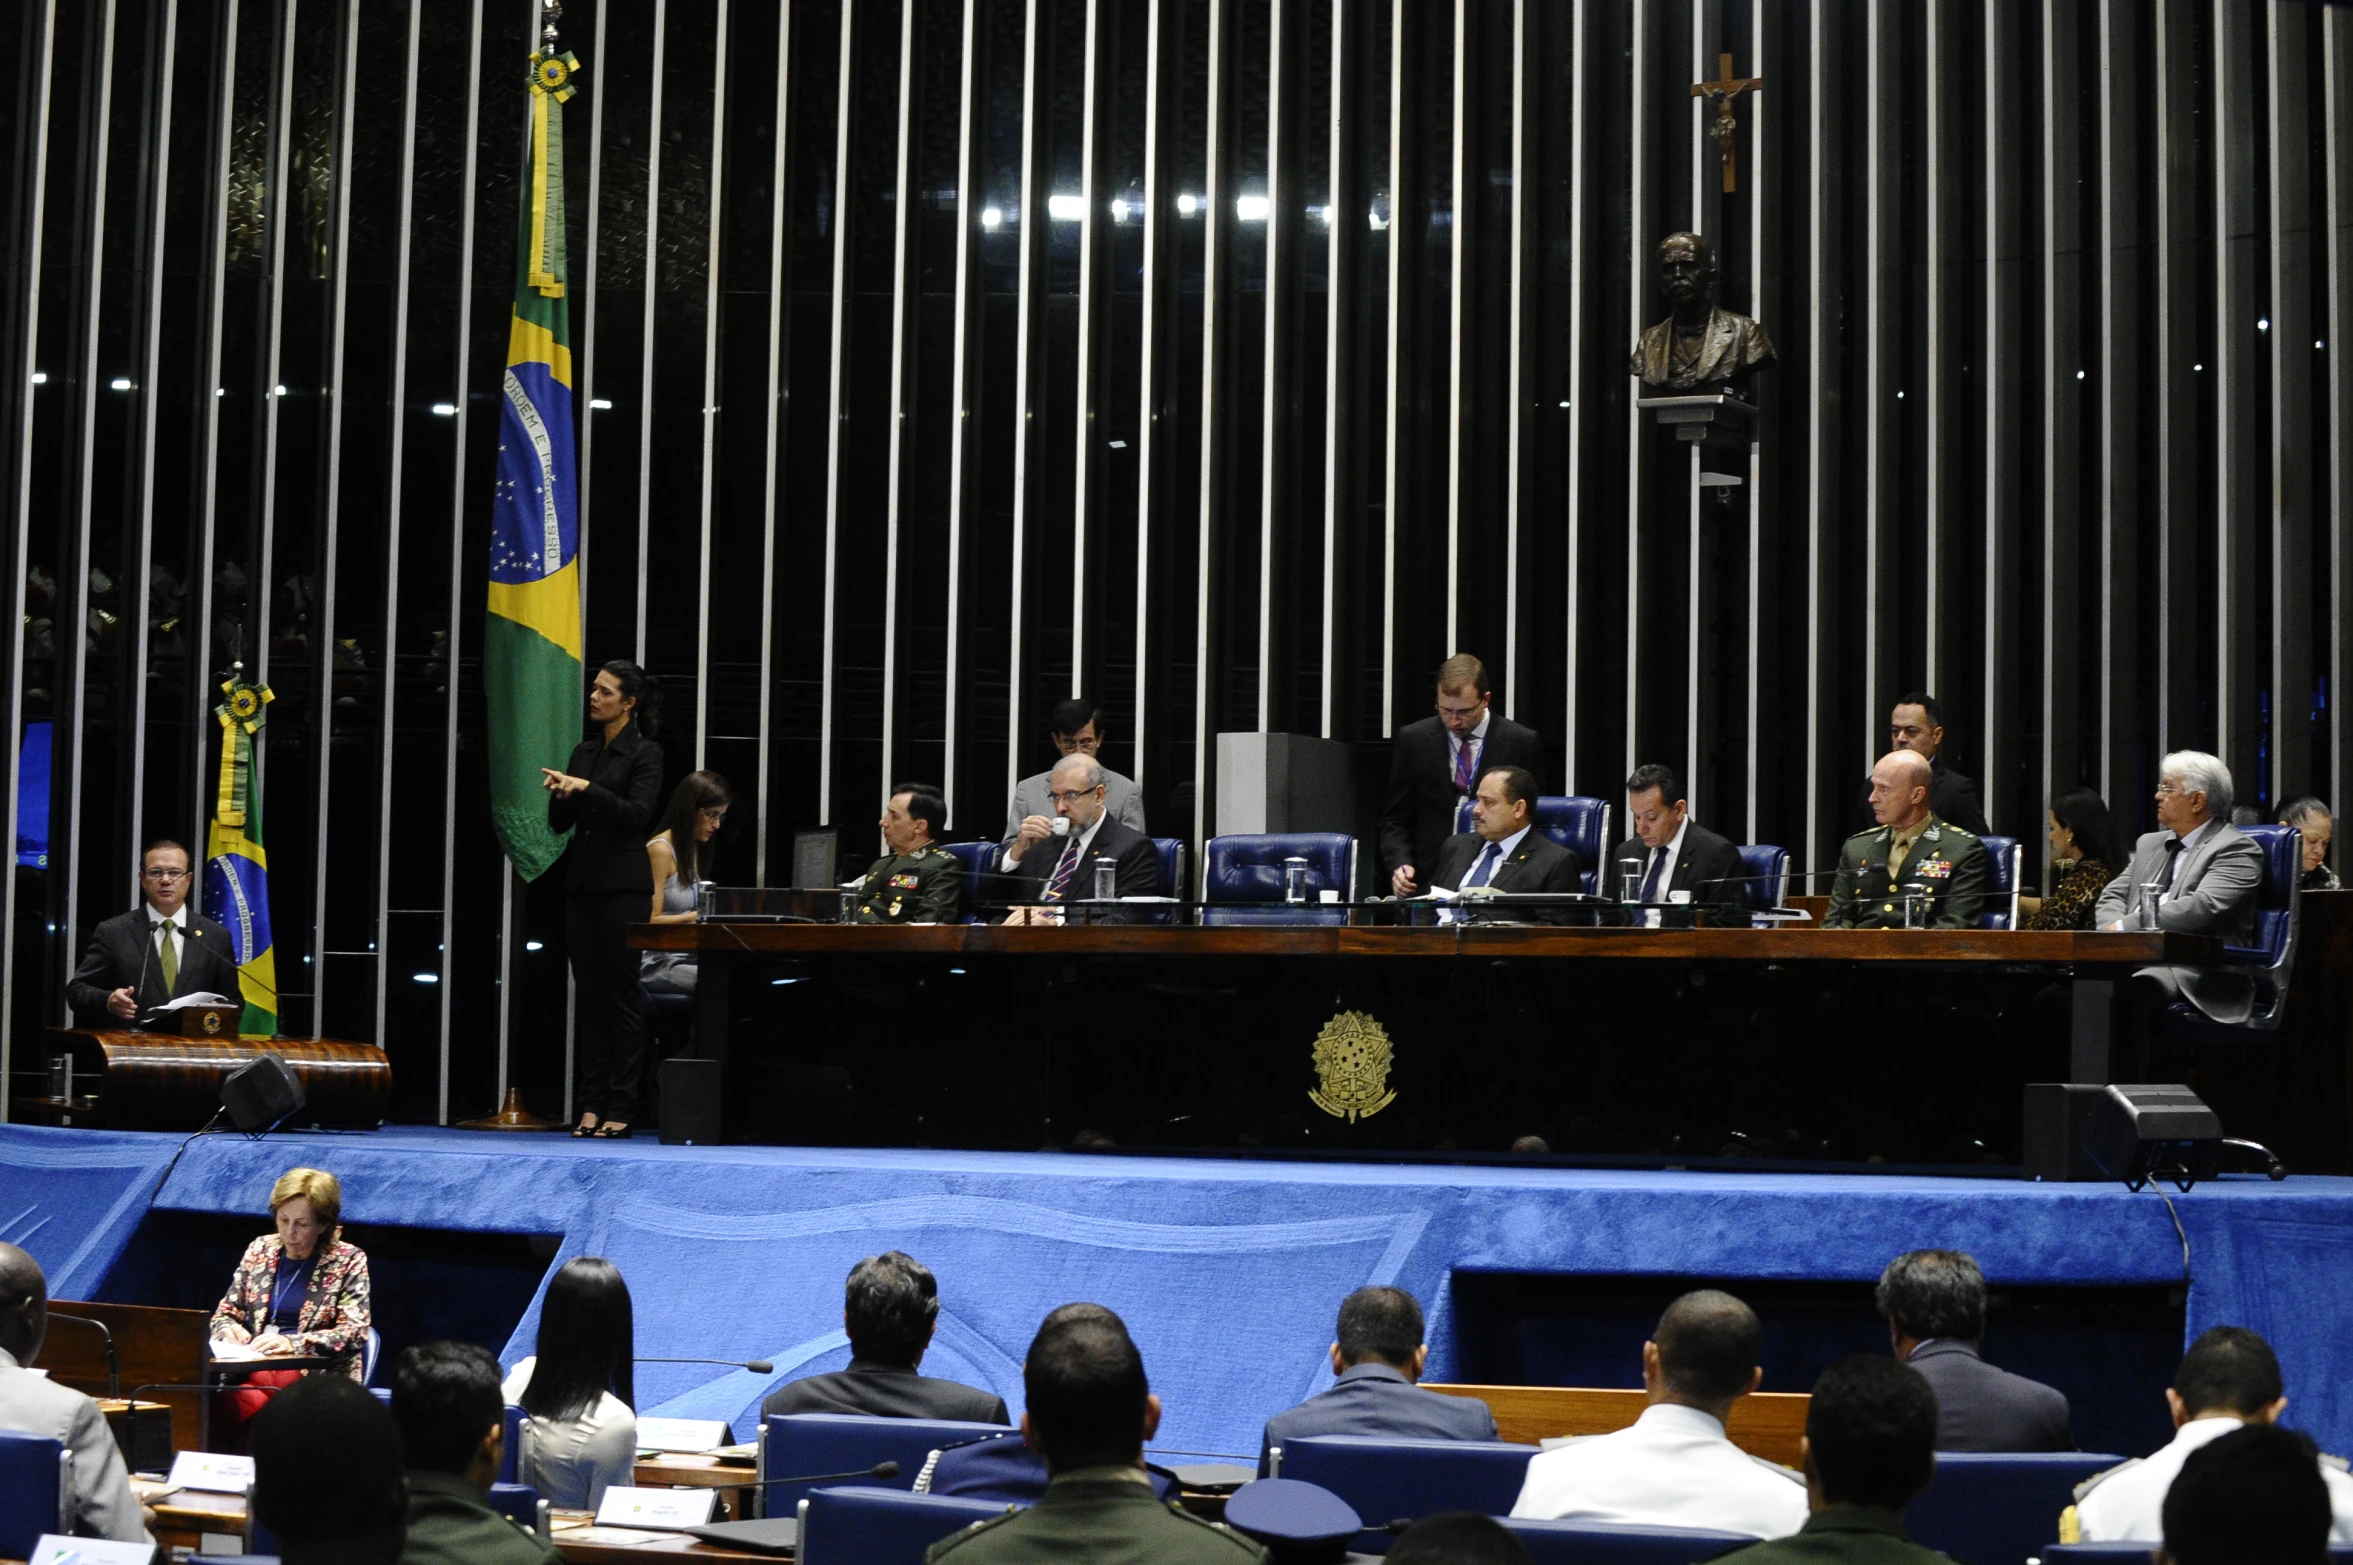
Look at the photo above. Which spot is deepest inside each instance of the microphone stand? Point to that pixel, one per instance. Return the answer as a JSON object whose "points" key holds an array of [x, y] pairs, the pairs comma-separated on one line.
{"points": [[114, 1370], [756, 1366]]}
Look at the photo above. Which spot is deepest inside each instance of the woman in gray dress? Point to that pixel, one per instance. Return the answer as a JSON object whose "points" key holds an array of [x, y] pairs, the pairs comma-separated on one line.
{"points": [[681, 854]]}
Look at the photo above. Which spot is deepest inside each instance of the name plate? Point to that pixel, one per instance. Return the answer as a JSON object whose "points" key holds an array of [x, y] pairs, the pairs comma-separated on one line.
{"points": [[54, 1550], [212, 1472], [666, 1509], [681, 1434]]}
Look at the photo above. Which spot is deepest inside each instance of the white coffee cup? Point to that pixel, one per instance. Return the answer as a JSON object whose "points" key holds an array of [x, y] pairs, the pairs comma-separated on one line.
{"points": [[1061, 826]]}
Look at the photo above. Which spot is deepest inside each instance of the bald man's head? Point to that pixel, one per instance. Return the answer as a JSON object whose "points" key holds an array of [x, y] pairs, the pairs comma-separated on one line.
{"points": [[1899, 789], [24, 1305]]}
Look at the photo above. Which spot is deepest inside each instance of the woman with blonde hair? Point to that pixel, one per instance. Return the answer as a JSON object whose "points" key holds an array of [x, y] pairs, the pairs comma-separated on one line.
{"points": [[300, 1292]]}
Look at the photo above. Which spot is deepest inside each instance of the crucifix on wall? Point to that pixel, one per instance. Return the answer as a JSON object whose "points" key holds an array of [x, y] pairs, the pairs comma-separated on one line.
{"points": [[1724, 89]]}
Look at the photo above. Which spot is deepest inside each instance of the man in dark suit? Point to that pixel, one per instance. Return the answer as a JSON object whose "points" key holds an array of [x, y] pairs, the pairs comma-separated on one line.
{"points": [[1059, 867], [1436, 765], [1917, 725], [1378, 1359], [890, 1308], [1503, 850], [1934, 1301], [1669, 851], [156, 952]]}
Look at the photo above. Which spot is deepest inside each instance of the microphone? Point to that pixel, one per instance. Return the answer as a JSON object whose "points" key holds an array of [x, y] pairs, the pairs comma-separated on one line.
{"points": [[756, 1366], [878, 1470], [114, 1374]]}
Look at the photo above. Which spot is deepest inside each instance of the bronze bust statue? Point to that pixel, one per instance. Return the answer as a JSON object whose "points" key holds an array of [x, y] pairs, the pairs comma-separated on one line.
{"points": [[1697, 348]]}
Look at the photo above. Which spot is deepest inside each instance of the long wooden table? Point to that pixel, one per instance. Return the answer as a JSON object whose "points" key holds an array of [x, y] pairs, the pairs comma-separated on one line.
{"points": [[999, 987]]}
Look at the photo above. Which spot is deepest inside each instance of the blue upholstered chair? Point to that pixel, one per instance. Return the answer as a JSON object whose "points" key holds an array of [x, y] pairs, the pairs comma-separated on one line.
{"points": [[1573, 820], [2279, 903], [868, 1526], [509, 1463], [35, 1480], [521, 1504], [1604, 1543], [1172, 866], [1767, 869], [1242, 880], [2002, 859], [793, 1443], [980, 861], [1998, 1510], [1387, 1479]]}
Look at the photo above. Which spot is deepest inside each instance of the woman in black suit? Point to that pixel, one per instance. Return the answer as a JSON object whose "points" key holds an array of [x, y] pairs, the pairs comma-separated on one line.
{"points": [[606, 796]]}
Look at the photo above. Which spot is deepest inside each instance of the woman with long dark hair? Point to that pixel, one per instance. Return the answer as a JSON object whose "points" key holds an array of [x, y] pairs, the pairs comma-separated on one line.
{"points": [[577, 1387], [605, 797], [2083, 860], [681, 855]]}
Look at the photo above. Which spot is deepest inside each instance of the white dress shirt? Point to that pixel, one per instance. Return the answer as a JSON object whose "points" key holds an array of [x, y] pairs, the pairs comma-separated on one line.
{"points": [[2127, 1506], [1060, 846], [1674, 853], [1673, 1468], [572, 1461]]}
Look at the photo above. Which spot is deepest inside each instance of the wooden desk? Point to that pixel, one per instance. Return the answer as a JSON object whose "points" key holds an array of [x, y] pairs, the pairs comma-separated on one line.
{"points": [[578, 1539], [156, 1081], [1765, 1423], [1194, 1036], [151, 1346], [184, 1516], [694, 1470]]}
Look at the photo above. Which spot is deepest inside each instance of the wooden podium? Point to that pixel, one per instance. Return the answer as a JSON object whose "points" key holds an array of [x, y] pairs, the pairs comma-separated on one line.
{"points": [[165, 1081]]}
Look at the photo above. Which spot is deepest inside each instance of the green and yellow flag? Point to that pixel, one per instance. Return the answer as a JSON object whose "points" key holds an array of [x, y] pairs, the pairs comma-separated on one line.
{"points": [[236, 870], [531, 653]]}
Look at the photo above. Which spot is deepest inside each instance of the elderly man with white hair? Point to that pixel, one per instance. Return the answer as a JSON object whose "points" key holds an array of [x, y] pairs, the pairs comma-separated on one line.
{"points": [[2196, 874], [1061, 868]]}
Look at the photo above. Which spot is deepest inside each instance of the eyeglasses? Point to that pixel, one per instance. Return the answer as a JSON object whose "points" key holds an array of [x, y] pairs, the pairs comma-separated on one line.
{"points": [[717, 814], [165, 875], [1075, 794]]}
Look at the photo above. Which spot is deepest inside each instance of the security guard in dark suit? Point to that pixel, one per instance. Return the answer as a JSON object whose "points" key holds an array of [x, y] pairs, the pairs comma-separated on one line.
{"points": [[1909, 852], [917, 881], [1090, 1412]]}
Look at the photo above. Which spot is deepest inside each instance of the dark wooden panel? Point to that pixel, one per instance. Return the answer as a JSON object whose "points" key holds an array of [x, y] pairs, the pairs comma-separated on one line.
{"points": [[151, 1346]]}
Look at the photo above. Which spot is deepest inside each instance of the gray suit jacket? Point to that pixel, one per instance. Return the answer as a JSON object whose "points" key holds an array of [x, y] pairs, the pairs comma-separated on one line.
{"points": [[1121, 798], [103, 1505], [1982, 1408], [1373, 1399], [2213, 893]]}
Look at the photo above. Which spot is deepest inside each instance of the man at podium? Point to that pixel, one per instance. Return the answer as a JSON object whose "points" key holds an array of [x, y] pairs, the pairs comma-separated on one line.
{"points": [[157, 952]]}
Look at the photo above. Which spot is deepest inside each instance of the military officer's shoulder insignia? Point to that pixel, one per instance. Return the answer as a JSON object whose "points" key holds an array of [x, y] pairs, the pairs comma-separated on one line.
{"points": [[2103, 1475], [1245, 1547], [1868, 831], [1777, 1470], [954, 1539]]}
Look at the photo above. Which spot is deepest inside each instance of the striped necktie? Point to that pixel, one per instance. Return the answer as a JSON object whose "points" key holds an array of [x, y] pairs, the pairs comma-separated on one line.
{"points": [[1063, 871]]}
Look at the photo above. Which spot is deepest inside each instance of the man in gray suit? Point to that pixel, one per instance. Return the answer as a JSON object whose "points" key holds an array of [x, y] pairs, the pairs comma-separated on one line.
{"points": [[2202, 873], [103, 1505], [1934, 1301], [1378, 1358], [1077, 729]]}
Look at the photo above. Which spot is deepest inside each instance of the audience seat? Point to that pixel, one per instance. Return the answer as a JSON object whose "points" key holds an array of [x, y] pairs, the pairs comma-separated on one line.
{"points": [[868, 1526], [1242, 878], [2003, 856], [507, 1464], [796, 1443], [1999, 1510], [1386, 1480], [2279, 902], [1573, 820], [1768, 870], [36, 1478], [521, 1504], [1603, 1543]]}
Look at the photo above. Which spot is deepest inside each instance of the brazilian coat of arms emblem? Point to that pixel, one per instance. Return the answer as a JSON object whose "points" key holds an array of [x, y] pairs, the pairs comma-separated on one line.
{"points": [[1352, 1060]]}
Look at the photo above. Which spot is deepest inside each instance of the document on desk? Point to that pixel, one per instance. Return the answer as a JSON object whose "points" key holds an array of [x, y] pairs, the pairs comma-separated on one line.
{"points": [[212, 1472], [235, 1352], [54, 1550], [201, 997]]}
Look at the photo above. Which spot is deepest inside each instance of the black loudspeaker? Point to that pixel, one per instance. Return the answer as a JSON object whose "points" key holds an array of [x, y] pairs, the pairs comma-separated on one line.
{"points": [[2136, 1134], [261, 1094], [690, 1103]]}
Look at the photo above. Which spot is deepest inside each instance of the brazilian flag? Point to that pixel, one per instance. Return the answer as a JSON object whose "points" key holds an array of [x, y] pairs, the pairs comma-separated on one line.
{"points": [[531, 656], [236, 870]]}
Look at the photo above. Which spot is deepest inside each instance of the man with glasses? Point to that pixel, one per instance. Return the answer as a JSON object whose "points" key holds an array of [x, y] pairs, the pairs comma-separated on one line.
{"points": [[1076, 727], [154, 953], [1062, 869], [1437, 765], [2196, 874]]}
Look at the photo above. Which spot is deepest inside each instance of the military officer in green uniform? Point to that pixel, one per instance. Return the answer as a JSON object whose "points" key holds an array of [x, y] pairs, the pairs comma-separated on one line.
{"points": [[1090, 1412], [1870, 1447], [917, 881], [1910, 852]]}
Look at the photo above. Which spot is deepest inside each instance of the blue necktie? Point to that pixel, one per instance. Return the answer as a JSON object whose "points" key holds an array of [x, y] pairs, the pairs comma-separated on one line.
{"points": [[1482, 871], [1650, 882]]}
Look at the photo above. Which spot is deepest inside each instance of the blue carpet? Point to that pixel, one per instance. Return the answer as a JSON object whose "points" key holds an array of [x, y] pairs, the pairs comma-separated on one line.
{"points": [[1227, 1272]]}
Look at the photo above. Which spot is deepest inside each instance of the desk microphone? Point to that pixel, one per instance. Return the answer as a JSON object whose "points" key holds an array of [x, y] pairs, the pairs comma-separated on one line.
{"points": [[756, 1366], [114, 1375], [878, 1470]]}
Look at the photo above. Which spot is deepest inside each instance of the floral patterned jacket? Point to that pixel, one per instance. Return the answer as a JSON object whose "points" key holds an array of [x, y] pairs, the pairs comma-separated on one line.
{"points": [[334, 1316]]}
